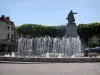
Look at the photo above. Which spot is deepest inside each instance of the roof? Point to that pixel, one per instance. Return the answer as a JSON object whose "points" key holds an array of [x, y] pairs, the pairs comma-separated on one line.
{"points": [[6, 19]]}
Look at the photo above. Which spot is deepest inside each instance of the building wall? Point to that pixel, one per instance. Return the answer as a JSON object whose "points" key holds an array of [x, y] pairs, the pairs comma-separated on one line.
{"points": [[7, 34], [11, 31], [3, 30], [7, 28]]}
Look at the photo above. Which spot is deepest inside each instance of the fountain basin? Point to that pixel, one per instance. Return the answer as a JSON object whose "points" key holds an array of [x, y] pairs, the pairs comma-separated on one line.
{"points": [[51, 60]]}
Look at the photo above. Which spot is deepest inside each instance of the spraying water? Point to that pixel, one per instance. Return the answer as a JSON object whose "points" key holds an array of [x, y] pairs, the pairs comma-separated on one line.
{"points": [[45, 45]]}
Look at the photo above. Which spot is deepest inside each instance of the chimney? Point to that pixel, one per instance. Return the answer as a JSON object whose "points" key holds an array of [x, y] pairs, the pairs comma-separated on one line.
{"points": [[7, 18], [2, 16]]}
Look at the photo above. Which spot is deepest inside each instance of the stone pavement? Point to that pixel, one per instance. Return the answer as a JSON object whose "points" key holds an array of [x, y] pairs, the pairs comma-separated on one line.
{"points": [[50, 69]]}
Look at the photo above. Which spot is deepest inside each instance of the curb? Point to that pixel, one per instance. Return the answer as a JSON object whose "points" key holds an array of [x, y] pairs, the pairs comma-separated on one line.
{"points": [[48, 60]]}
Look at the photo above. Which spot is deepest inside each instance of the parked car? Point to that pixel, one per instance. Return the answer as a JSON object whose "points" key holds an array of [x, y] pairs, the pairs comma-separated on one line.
{"points": [[92, 51]]}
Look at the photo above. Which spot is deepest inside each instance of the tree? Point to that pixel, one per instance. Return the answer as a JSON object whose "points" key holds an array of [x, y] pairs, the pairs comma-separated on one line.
{"points": [[87, 31]]}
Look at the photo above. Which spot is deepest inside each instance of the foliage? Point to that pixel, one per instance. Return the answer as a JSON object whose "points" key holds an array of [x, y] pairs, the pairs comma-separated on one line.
{"points": [[86, 31], [36, 30], [94, 41]]}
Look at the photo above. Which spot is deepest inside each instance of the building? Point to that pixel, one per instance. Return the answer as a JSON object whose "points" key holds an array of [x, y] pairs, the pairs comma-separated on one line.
{"points": [[7, 34]]}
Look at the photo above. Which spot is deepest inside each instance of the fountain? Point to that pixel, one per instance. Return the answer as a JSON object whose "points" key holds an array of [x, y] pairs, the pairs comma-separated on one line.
{"points": [[7, 55], [48, 46], [12, 55], [59, 56], [52, 47], [47, 55]]}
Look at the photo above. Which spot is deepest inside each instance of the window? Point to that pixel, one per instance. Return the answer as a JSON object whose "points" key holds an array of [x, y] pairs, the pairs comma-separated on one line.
{"points": [[8, 28], [12, 36], [11, 28], [8, 36]]}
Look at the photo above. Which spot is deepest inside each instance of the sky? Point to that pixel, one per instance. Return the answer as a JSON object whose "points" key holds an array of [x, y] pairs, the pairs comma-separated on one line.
{"points": [[50, 12]]}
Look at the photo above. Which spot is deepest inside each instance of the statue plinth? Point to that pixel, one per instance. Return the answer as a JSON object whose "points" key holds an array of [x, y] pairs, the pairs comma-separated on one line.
{"points": [[71, 30]]}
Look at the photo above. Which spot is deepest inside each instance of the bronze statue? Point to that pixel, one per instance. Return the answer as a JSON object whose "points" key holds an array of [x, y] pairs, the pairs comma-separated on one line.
{"points": [[70, 17]]}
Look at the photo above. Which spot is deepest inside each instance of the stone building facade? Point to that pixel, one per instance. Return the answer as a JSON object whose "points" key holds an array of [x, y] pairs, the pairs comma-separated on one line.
{"points": [[7, 34]]}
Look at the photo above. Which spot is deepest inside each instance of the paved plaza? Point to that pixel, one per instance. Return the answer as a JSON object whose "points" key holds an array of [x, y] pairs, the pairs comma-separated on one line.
{"points": [[50, 69]]}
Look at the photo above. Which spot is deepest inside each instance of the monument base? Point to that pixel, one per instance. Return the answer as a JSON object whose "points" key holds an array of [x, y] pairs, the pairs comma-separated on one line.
{"points": [[71, 30]]}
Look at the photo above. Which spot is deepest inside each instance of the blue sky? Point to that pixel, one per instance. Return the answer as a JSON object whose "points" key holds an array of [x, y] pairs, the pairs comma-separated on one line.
{"points": [[50, 12]]}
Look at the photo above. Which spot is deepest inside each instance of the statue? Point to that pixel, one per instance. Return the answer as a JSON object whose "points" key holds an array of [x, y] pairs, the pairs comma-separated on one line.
{"points": [[70, 17], [71, 28]]}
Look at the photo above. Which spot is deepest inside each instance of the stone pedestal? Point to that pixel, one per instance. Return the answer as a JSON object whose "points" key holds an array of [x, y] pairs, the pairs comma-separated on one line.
{"points": [[71, 30]]}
